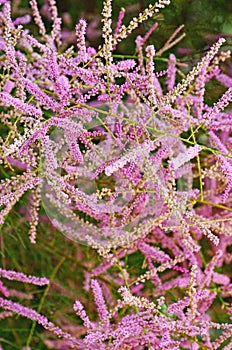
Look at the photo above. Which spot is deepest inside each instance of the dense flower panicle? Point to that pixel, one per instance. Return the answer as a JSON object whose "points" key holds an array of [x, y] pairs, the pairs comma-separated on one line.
{"points": [[99, 300], [34, 316], [81, 46], [181, 87], [79, 309], [37, 17], [40, 95], [8, 101], [218, 106], [107, 33], [150, 50], [154, 253], [142, 175], [21, 277], [8, 201], [34, 212], [130, 330]]}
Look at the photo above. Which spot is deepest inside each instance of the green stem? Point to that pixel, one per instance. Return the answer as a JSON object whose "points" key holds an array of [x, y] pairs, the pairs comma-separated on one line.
{"points": [[220, 206], [56, 269]]}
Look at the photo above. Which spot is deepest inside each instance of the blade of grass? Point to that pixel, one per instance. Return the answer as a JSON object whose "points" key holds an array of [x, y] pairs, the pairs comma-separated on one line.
{"points": [[52, 277]]}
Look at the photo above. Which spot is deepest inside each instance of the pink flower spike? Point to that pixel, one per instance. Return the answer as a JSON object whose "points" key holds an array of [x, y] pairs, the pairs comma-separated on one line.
{"points": [[171, 72], [99, 300], [119, 23], [81, 46], [148, 34], [21, 277], [79, 309], [35, 316], [7, 100]]}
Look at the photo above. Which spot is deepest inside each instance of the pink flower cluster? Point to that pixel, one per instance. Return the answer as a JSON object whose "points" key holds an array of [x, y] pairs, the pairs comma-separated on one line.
{"points": [[156, 158]]}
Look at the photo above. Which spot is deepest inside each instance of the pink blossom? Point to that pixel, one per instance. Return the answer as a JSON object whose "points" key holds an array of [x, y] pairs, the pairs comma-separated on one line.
{"points": [[7, 100]]}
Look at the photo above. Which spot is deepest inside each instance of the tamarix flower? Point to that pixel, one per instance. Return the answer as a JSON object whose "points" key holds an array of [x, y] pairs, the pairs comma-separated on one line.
{"points": [[134, 162]]}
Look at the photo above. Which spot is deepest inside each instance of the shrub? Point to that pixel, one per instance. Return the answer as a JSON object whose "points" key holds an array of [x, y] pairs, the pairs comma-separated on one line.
{"points": [[134, 163]]}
